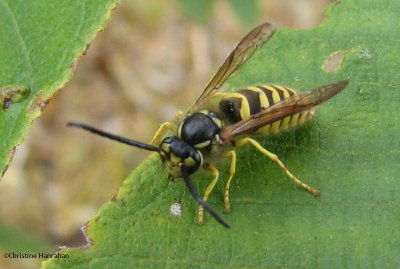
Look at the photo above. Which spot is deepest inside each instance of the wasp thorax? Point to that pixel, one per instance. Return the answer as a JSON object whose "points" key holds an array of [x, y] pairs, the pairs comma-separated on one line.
{"points": [[176, 153], [200, 129]]}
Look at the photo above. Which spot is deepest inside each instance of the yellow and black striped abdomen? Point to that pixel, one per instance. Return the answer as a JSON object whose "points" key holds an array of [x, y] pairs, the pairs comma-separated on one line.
{"points": [[240, 105]]}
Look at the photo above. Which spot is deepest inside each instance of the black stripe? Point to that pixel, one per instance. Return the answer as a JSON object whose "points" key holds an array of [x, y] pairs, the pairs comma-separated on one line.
{"points": [[253, 98], [280, 93], [290, 91], [290, 119], [280, 123], [268, 93], [230, 109], [302, 115]]}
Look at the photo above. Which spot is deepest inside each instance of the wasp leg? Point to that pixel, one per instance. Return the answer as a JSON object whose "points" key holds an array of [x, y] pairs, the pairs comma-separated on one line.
{"points": [[275, 158], [214, 172], [165, 127], [180, 115], [232, 171]]}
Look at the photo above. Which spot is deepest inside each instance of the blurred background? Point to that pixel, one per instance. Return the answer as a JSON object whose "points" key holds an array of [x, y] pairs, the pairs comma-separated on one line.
{"points": [[153, 59]]}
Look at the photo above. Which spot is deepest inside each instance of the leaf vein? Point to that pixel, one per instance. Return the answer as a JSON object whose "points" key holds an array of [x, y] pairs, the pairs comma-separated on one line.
{"points": [[21, 40]]}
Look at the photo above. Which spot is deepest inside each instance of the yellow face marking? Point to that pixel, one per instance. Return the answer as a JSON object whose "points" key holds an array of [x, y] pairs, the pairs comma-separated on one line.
{"points": [[172, 166], [174, 171], [175, 159], [165, 147], [189, 162], [174, 163]]}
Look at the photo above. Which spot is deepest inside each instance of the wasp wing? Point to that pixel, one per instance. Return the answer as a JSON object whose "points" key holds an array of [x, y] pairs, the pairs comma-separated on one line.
{"points": [[287, 107], [243, 51]]}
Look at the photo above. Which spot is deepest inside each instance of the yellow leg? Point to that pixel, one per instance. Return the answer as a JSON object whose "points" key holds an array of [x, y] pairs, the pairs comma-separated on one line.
{"points": [[275, 158], [179, 115], [165, 127], [214, 172], [232, 171]]}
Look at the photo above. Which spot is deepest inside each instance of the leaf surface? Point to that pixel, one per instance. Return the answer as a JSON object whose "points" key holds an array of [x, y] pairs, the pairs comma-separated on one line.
{"points": [[40, 42], [350, 152]]}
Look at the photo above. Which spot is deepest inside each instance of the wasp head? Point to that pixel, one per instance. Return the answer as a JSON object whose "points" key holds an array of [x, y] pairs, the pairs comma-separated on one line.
{"points": [[176, 153]]}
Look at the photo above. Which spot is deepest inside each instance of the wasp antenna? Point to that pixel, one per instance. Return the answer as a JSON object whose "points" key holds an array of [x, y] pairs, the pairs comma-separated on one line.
{"points": [[197, 197], [113, 136]]}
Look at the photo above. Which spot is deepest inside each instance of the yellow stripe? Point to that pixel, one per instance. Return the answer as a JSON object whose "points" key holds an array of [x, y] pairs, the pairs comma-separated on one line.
{"points": [[291, 90], [264, 130], [244, 108], [285, 91], [294, 120], [302, 118], [275, 95], [264, 104], [285, 122], [275, 126], [290, 121], [263, 99]]}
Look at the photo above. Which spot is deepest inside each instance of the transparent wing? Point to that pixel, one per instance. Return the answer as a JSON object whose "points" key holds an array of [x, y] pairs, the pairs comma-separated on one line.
{"points": [[287, 107], [243, 51]]}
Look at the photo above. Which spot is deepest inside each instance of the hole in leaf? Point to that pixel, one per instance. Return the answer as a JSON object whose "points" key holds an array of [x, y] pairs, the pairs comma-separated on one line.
{"points": [[334, 62]]}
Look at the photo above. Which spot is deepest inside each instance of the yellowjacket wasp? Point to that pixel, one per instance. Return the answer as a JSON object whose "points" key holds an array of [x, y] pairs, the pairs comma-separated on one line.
{"points": [[219, 121]]}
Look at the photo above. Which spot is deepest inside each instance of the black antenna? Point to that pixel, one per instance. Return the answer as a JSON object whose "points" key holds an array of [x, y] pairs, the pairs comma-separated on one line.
{"points": [[197, 197], [114, 137]]}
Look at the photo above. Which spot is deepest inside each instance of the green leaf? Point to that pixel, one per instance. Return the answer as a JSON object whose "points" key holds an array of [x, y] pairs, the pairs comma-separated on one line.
{"points": [[246, 10], [199, 11], [15, 240], [40, 42], [350, 152]]}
